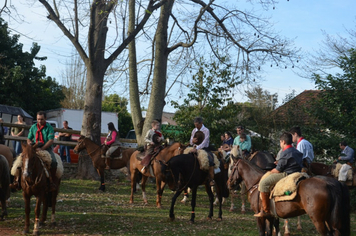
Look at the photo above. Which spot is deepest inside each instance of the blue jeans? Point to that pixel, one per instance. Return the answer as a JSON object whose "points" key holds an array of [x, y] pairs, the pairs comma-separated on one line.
{"points": [[17, 147], [61, 151]]}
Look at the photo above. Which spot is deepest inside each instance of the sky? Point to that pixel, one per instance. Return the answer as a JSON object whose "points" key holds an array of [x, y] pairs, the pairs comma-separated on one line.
{"points": [[301, 20]]}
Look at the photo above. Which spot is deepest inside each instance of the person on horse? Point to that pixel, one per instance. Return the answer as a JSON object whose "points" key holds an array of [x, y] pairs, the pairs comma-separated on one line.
{"points": [[289, 162], [42, 134], [113, 142], [153, 139], [346, 159], [303, 146], [247, 143], [199, 126]]}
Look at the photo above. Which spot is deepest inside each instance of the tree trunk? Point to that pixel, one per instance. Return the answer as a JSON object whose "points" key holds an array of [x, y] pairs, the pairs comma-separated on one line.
{"points": [[86, 169], [156, 104], [134, 92]]}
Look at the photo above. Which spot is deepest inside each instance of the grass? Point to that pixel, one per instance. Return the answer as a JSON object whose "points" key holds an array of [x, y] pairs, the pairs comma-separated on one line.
{"points": [[83, 210]]}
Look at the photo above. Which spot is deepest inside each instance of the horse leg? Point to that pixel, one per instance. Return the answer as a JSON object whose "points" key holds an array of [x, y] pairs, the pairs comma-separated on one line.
{"points": [[219, 193], [299, 224], [211, 200], [185, 198], [261, 223], [134, 174], [27, 214], [45, 208], [54, 201], [193, 202], [143, 188], [3, 207], [102, 178], [232, 205], [243, 198], [286, 228], [37, 214], [171, 210], [160, 186]]}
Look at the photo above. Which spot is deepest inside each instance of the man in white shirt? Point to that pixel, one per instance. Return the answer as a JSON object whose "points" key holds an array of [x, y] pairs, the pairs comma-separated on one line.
{"points": [[199, 126], [303, 145]]}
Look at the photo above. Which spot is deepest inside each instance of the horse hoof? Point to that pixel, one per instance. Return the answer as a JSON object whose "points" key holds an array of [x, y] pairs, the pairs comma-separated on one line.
{"points": [[159, 206], [287, 234], [172, 218], [219, 219], [209, 218], [36, 233], [191, 221]]}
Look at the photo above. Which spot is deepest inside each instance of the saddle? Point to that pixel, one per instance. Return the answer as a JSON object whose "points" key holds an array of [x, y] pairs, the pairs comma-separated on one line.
{"points": [[203, 159], [117, 154], [286, 188], [336, 172]]}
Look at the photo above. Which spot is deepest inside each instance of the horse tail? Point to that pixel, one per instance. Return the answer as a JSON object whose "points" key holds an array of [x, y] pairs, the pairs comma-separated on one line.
{"points": [[340, 212]]}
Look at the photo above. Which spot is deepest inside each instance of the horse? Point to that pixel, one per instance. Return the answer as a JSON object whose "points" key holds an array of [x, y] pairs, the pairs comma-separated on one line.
{"points": [[8, 153], [136, 167], [263, 160], [94, 151], [34, 182], [4, 185], [324, 199], [316, 168], [183, 171]]}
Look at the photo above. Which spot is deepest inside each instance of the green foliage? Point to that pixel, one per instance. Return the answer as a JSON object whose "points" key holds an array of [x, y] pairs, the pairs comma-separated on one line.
{"points": [[210, 90], [21, 83], [115, 103], [336, 109]]}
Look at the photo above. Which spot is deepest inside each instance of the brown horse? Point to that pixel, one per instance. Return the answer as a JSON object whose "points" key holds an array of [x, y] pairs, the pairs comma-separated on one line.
{"points": [[135, 167], [34, 181], [316, 168], [4, 185], [8, 153], [94, 151], [324, 199]]}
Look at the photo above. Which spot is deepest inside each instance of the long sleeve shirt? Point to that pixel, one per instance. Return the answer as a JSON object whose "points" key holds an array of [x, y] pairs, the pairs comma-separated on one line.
{"points": [[290, 161], [347, 154], [205, 142], [246, 145], [306, 148]]}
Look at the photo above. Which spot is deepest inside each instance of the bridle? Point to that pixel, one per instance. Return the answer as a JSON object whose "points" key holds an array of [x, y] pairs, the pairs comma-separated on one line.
{"points": [[96, 149]]}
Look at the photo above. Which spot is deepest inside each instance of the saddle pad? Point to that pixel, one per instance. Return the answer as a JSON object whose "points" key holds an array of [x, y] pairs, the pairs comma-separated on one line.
{"points": [[288, 184], [336, 172], [203, 159]]}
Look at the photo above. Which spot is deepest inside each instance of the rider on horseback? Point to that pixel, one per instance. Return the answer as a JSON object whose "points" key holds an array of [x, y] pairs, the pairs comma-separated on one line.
{"points": [[113, 142], [153, 139], [198, 123], [42, 134], [289, 162]]}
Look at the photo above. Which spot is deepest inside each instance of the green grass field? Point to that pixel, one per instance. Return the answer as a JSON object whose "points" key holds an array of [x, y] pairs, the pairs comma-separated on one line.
{"points": [[82, 210]]}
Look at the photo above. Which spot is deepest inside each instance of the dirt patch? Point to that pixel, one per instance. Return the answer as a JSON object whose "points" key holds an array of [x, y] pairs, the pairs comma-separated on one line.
{"points": [[7, 231]]}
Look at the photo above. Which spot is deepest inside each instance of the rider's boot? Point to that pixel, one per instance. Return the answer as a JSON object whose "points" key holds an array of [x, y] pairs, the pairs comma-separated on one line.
{"points": [[107, 162], [265, 211]]}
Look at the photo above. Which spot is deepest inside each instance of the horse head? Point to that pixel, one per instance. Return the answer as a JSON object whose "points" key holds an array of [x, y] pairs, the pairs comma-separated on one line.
{"points": [[235, 178], [80, 145], [28, 161]]}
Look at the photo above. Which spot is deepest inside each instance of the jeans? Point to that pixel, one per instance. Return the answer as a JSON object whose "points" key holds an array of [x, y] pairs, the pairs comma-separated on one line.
{"points": [[61, 151], [17, 147]]}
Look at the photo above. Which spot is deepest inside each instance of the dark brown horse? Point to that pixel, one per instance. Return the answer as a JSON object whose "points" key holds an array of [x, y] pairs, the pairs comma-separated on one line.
{"points": [[135, 167], [4, 185], [316, 168], [94, 151], [183, 171], [324, 199], [34, 182], [8, 153]]}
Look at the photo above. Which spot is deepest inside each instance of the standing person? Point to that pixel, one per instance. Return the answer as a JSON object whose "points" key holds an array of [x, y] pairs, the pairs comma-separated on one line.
{"points": [[289, 162], [241, 130], [303, 145], [199, 126], [151, 143], [18, 132], [346, 159], [42, 134], [113, 142], [65, 137], [2, 132]]}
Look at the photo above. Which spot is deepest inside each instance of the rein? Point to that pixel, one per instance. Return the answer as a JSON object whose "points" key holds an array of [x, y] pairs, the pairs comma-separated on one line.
{"points": [[253, 187]]}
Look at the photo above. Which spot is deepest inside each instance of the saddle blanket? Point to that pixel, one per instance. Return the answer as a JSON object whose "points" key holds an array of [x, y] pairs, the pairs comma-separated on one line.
{"points": [[47, 160], [203, 159], [286, 188], [343, 175], [117, 157]]}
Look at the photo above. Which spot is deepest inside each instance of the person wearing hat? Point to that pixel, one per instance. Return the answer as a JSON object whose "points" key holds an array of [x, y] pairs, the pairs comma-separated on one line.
{"points": [[202, 142], [153, 138], [113, 142]]}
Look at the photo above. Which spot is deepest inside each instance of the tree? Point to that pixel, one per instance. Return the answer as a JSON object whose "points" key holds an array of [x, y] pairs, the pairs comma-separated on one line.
{"points": [[117, 104], [19, 78], [209, 97], [229, 32]]}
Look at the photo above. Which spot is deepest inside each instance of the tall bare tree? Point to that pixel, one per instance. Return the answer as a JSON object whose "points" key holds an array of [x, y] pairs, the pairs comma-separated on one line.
{"points": [[246, 39]]}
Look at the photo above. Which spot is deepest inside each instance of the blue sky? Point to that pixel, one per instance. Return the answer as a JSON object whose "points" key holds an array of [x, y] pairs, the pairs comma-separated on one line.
{"points": [[301, 20]]}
